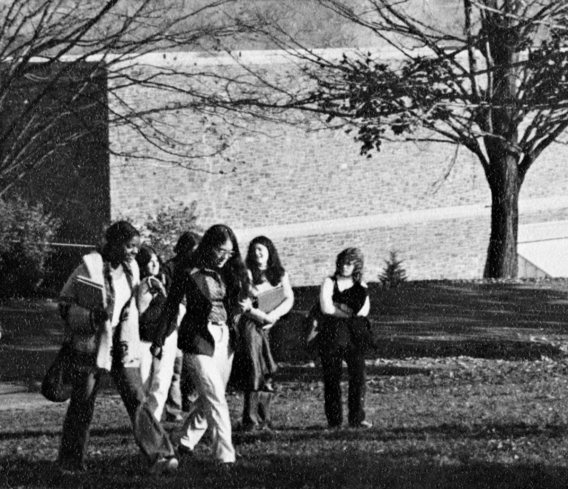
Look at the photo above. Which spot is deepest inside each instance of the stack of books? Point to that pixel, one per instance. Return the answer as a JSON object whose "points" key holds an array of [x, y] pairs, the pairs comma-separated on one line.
{"points": [[89, 294]]}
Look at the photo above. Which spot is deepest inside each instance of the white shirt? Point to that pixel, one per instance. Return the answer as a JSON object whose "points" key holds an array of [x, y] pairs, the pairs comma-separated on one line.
{"points": [[122, 292]]}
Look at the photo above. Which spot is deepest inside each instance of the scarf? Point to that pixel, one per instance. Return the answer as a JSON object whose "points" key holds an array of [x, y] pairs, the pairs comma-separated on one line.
{"points": [[123, 342]]}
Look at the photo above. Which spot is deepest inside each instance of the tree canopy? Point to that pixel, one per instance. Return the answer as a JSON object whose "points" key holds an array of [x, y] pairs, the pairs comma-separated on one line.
{"points": [[488, 75], [61, 58]]}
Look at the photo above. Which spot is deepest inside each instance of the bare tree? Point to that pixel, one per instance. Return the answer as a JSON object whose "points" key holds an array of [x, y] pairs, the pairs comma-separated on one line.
{"points": [[60, 59], [495, 85], [488, 75]]}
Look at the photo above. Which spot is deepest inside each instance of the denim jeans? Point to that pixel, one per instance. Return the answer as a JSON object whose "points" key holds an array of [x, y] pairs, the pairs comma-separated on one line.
{"points": [[149, 435]]}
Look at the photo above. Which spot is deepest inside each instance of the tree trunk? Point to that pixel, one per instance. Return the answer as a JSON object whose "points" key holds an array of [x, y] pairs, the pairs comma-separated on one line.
{"points": [[505, 185]]}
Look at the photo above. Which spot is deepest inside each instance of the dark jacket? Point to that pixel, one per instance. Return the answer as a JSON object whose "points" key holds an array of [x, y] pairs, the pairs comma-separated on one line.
{"points": [[354, 332], [193, 335]]}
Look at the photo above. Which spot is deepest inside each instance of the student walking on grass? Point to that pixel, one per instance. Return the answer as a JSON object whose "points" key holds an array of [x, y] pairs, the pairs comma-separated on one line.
{"points": [[105, 338], [156, 374], [181, 393], [272, 297], [344, 335], [214, 287]]}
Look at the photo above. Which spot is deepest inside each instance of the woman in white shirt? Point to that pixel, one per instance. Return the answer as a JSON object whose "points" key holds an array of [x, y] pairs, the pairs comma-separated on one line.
{"points": [[105, 338], [254, 365]]}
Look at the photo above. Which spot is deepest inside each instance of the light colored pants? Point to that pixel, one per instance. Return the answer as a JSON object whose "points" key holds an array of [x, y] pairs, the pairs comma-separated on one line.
{"points": [[157, 374], [210, 376], [146, 360]]}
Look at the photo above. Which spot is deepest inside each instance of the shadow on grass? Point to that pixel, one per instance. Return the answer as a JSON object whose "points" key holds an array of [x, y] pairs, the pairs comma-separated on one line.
{"points": [[94, 432], [443, 318], [435, 307], [292, 373], [429, 318], [480, 431], [486, 348], [353, 468], [434, 319]]}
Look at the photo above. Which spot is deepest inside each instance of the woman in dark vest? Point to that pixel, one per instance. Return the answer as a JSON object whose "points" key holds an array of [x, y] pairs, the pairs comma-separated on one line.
{"points": [[345, 334]]}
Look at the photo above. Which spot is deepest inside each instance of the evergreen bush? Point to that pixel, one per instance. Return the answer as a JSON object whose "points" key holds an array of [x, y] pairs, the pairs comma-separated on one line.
{"points": [[163, 230], [394, 273]]}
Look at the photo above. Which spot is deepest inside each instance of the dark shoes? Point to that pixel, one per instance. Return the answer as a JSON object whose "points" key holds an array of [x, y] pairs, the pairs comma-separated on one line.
{"points": [[247, 427], [174, 418], [254, 427], [184, 451], [69, 475], [164, 465]]}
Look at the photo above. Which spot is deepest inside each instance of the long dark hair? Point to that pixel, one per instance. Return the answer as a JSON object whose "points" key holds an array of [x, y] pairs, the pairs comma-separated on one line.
{"points": [[117, 234], [274, 269], [233, 272], [143, 258], [184, 247], [354, 255]]}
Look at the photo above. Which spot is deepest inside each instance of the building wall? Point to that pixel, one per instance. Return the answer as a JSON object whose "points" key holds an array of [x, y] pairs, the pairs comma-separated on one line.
{"points": [[314, 194]]}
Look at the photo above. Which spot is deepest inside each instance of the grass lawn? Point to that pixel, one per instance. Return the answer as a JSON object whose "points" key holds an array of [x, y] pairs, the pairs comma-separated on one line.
{"points": [[469, 390], [438, 423]]}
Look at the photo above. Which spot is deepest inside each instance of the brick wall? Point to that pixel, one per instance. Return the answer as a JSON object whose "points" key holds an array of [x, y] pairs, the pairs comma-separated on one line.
{"points": [[311, 192]]}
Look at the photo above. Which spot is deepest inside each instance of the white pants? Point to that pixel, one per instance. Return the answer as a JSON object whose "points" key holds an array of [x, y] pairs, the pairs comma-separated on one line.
{"points": [[157, 374], [146, 360], [210, 376]]}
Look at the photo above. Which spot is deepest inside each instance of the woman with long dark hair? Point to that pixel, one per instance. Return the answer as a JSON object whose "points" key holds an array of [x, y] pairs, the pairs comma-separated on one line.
{"points": [[156, 374], [345, 335], [272, 297], [180, 395], [214, 287], [104, 337]]}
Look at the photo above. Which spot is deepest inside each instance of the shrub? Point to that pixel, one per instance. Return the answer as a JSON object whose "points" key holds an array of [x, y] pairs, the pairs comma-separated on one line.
{"points": [[394, 273], [25, 233], [162, 231]]}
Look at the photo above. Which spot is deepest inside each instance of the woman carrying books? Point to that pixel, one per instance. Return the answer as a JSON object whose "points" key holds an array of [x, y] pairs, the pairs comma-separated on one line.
{"points": [[214, 287], [344, 335], [102, 328], [271, 298]]}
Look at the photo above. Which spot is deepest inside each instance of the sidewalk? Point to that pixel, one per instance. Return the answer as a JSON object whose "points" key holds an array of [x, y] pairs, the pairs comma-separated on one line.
{"points": [[19, 396]]}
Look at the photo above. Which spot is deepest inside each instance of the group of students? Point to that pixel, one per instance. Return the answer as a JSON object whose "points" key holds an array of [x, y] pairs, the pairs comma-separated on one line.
{"points": [[189, 321]]}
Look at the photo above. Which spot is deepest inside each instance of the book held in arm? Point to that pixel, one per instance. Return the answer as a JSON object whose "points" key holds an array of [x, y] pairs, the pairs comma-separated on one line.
{"points": [[88, 293], [271, 299]]}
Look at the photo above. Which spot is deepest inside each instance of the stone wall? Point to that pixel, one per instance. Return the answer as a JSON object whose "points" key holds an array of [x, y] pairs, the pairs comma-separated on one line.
{"points": [[314, 194]]}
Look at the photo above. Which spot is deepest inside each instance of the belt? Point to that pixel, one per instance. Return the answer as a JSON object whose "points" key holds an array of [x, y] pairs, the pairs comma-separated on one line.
{"points": [[217, 323]]}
